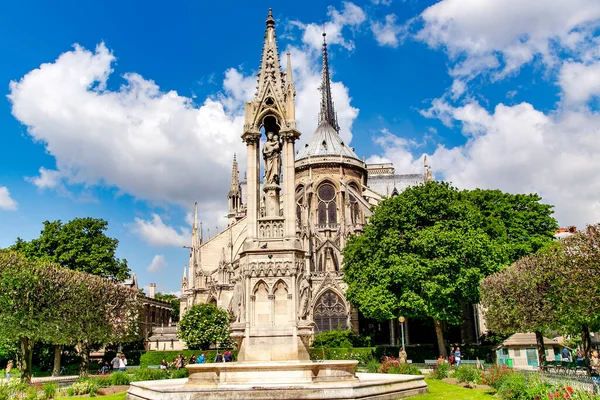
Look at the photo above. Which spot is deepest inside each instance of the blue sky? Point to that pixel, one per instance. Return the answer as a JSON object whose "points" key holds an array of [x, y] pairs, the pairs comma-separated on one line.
{"points": [[131, 111]]}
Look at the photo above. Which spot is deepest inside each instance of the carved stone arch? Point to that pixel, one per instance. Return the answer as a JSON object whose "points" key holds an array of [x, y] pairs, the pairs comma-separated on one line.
{"points": [[212, 300], [326, 179], [330, 311], [261, 304], [268, 112]]}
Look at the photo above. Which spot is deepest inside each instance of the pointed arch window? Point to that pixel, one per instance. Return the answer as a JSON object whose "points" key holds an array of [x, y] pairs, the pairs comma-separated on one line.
{"points": [[327, 207], [299, 203], [354, 207], [330, 312]]}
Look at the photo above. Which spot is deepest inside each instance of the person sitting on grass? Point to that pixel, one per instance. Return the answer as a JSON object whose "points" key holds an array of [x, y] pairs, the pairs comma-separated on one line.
{"points": [[163, 365], [201, 359]]}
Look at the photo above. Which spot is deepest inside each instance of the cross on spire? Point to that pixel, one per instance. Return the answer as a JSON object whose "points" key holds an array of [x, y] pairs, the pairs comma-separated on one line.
{"points": [[327, 113]]}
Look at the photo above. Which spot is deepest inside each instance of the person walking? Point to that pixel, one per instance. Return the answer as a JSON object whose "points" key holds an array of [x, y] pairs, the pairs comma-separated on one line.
{"points": [[451, 356], [457, 356], [402, 356]]}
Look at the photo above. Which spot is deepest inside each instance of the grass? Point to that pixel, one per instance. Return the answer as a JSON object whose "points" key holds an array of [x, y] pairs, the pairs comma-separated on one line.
{"points": [[439, 390], [116, 396]]}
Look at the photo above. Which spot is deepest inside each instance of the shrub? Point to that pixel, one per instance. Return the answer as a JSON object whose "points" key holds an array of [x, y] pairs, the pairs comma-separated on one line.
{"points": [[155, 357], [50, 390], [84, 386], [495, 375], [467, 374], [362, 355], [441, 371], [179, 373], [119, 378], [373, 366], [394, 366], [340, 339], [417, 353]]}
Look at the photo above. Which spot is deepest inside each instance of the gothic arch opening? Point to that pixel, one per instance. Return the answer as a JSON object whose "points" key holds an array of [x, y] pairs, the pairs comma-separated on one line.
{"points": [[281, 307], [330, 312], [354, 207], [262, 306], [326, 207]]}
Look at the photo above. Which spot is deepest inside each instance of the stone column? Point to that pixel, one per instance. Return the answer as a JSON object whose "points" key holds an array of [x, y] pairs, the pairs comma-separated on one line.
{"points": [[252, 172], [392, 333], [289, 200]]}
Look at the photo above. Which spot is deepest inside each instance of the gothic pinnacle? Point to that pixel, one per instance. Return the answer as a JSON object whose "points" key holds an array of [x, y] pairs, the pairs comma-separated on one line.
{"points": [[327, 113]]}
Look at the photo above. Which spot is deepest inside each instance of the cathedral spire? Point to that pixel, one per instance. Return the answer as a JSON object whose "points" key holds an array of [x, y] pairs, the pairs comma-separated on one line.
{"points": [[327, 113], [234, 186], [195, 236], [270, 70]]}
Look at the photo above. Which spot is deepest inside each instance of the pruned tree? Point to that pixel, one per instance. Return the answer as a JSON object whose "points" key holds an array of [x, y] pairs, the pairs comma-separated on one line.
{"points": [[521, 297], [41, 301], [204, 325]]}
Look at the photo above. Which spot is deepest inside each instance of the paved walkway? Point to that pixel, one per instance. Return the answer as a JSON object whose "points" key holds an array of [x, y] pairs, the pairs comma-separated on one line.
{"points": [[44, 379]]}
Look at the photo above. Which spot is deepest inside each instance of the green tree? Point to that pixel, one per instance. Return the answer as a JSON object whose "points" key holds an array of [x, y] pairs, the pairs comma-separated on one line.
{"points": [[422, 255], [174, 300], [80, 244], [44, 302], [204, 325], [521, 297]]}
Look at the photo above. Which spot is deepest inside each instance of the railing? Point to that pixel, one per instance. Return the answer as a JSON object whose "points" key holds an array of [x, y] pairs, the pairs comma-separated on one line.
{"points": [[328, 226]]}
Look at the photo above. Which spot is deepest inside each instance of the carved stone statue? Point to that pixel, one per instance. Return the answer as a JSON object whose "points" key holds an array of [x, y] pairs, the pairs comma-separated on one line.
{"points": [[236, 306], [304, 296], [272, 156]]}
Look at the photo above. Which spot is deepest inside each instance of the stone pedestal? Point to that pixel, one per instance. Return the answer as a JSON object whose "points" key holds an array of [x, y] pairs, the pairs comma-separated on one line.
{"points": [[272, 203]]}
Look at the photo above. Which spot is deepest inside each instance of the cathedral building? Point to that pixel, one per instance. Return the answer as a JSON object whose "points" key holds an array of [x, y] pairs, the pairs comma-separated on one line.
{"points": [[334, 190]]}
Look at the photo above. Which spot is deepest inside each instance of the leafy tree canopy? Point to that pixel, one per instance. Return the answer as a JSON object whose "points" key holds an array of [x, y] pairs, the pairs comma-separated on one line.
{"points": [[80, 244], [174, 300], [204, 325], [424, 252]]}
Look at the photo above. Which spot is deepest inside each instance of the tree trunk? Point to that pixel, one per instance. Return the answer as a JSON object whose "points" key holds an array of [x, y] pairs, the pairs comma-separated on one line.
{"points": [[467, 328], [541, 349], [586, 343], [26, 359], [439, 333], [84, 353], [57, 353]]}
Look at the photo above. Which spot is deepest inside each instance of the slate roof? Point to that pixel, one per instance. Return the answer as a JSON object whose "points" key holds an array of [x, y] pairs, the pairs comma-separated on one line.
{"points": [[385, 184], [325, 141], [526, 339]]}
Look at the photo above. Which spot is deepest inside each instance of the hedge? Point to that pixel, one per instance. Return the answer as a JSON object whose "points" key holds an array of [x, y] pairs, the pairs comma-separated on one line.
{"points": [[156, 357], [362, 354]]}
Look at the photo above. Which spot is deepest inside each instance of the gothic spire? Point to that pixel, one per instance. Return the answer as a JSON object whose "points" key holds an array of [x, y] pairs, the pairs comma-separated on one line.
{"points": [[270, 69], [327, 113], [234, 186], [195, 236]]}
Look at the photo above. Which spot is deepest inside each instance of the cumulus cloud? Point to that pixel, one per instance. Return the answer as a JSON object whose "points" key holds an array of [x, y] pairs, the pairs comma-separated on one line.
{"points": [[579, 82], [351, 16], [520, 150], [388, 33], [156, 233], [500, 36], [157, 264], [6, 202], [137, 138]]}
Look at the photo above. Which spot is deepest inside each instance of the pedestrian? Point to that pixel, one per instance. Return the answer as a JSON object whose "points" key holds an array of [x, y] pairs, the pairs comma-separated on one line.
{"points": [[179, 363], [193, 359], [227, 356], [451, 356], [201, 359], [122, 363], [9, 367], [115, 362], [566, 355], [219, 357], [457, 356], [402, 355]]}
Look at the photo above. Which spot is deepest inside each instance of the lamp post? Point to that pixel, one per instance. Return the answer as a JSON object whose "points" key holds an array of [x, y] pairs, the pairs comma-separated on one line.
{"points": [[401, 320]]}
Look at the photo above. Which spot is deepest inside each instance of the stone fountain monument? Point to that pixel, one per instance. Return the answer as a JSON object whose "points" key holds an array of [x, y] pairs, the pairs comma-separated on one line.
{"points": [[270, 303]]}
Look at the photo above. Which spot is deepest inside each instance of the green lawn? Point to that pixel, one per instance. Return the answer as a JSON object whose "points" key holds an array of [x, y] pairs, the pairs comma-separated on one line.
{"points": [[439, 390]]}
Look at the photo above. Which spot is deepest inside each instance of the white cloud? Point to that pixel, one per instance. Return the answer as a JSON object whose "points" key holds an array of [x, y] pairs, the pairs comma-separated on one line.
{"points": [[157, 264], [6, 202], [388, 33], [351, 16], [502, 35], [382, 2], [580, 82], [156, 233], [521, 150], [48, 179], [138, 138]]}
